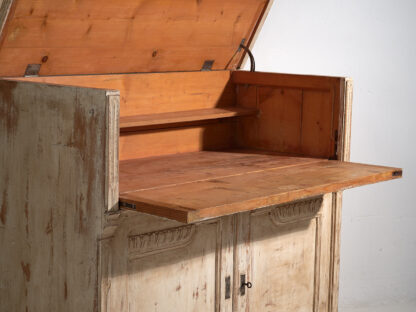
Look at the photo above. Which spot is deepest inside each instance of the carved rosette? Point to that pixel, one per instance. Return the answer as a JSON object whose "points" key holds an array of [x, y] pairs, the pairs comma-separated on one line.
{"points": [[297, 211], [151, 243]]}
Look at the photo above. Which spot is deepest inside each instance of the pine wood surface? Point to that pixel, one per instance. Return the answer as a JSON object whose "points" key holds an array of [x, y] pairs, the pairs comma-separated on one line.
{"points": [[285, 180], [156, 93], [146, 36], [298, 114], [164, 120], [159, 172], [158, 142]]}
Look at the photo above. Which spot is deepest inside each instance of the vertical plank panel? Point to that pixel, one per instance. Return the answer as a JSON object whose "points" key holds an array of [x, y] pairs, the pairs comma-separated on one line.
{"points": [[280, 121], [281, 99], [317, 116], [52, 183]]}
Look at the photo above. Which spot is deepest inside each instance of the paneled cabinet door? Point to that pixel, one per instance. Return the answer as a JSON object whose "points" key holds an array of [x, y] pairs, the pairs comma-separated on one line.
{"points": [[284, 252], [154, 264]]}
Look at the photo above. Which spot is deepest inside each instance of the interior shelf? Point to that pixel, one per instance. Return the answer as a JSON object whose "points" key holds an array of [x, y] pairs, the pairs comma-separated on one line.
{"points": [[195, 186], [165, 120]]}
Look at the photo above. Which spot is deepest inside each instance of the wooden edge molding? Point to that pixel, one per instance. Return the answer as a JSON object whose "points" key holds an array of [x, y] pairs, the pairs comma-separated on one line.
{"points": [[297, 211], [344, 139], [344, 133], [5, 7], [156, 242], [112, 139]]}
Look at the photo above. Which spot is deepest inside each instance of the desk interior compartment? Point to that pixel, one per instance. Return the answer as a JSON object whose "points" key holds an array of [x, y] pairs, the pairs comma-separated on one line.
{"points": [[200, 145]]}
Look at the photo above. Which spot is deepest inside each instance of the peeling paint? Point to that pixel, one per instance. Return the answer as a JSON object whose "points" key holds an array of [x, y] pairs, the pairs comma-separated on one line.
{"points": [[26, 270], [9, 113], [49, 226], [4, 204], [65, 290]]}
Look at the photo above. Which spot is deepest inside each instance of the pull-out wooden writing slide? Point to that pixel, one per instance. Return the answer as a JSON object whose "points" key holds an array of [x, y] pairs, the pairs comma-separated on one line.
{"points": [[201, 185]]}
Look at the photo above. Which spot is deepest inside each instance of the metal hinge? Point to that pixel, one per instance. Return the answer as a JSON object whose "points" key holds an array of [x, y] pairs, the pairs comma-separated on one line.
{"points": [[32, 70], [335, 156], [127, 205], [207, 66]]}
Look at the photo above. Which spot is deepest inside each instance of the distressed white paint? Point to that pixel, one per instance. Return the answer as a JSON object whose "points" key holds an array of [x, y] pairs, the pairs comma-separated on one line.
{"points": [[374, 43]]}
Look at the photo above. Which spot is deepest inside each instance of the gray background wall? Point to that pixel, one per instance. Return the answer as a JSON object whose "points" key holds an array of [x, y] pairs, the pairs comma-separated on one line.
{"points": [[374, 42]]}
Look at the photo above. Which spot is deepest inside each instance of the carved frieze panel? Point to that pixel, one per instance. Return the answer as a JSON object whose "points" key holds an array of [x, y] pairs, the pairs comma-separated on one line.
{"points": [[297, 211], [151, 243]]}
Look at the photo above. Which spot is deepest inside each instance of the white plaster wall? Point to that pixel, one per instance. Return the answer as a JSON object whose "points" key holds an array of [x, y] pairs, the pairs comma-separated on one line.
{"points": [[374, 42]]}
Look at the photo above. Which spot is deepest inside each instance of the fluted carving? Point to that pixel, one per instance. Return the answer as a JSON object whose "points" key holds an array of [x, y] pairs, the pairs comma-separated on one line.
{"points": [[293, 212], [151, 243]]}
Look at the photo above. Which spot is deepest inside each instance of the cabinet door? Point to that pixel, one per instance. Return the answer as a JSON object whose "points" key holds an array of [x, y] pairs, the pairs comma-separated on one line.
{"points": [[285, 253], [160, 265]]}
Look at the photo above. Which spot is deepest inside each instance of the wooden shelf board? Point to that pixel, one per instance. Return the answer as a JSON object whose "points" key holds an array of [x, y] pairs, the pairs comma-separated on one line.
{"points": [[197, 186], [162, 120]]}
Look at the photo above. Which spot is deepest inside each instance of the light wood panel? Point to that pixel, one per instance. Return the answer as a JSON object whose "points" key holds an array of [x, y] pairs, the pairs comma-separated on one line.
{"points": [[156, 93], [297, 114], [295, 239], [154, 262], [92, 37], [218, 196], [150, 143], [319, 123], [161, 96], [175, 119], [285, 80], [198, 166], [56, 182]]}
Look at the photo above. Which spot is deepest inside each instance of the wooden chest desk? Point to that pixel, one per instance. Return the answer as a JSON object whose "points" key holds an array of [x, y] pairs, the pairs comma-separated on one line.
{"points": [[142, 171]]}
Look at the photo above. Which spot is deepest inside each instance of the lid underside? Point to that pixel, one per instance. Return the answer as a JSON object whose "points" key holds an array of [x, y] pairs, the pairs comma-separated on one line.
{"points": [[113, 36]]}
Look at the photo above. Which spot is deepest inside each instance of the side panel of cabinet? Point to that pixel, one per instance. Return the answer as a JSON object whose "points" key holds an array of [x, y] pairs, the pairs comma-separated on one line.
{"points": [[155, 264], [285, 253], [53, 180]]}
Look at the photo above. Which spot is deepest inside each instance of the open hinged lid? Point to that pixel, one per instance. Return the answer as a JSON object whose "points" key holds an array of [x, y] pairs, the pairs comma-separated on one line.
{"points": [[113, 36]]}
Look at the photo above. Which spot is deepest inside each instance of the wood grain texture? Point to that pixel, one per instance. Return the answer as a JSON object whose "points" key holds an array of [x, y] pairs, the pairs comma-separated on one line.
{"points": [[112, 159], [156, 93], [145, 36], [297, 114], [163, 95], [180, 118], [256, 31], [5, 8], [53, 181], [344, 141], [284, 80], [293, 277], [218, 196], [154, 262], [150, 143], [162, 171]]}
